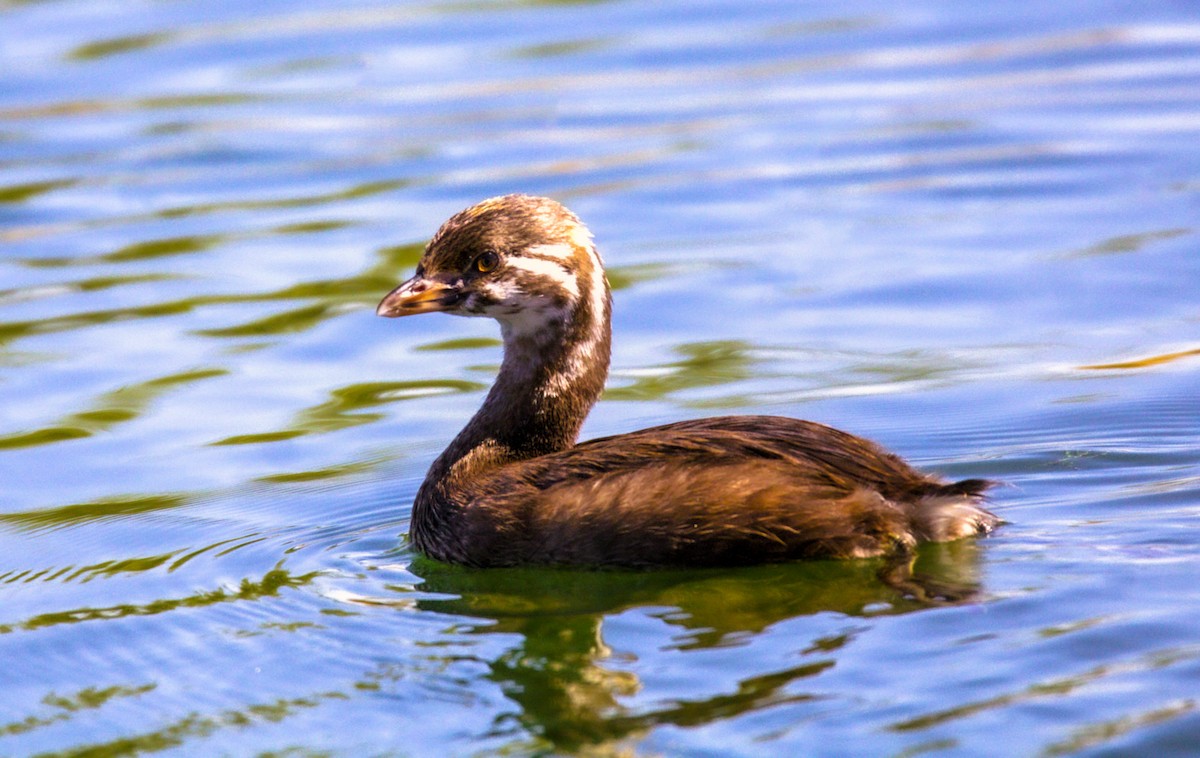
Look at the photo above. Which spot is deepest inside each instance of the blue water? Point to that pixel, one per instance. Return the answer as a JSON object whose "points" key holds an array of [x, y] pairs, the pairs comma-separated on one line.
{"points": [[968, 232]]}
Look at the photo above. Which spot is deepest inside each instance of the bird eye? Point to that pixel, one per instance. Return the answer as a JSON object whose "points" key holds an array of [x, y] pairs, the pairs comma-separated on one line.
{"points": [[486, 261]]}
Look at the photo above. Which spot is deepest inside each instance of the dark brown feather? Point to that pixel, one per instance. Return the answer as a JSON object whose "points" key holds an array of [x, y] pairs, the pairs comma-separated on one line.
{"points": [[716, 491]]}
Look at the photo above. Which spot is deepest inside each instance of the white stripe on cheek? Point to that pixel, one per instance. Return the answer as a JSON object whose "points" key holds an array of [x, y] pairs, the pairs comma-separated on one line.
{"points": [[562, 252], [549, 270]]}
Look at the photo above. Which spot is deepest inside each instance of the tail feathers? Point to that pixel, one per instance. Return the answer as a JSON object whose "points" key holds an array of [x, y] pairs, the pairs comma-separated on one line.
{"points": [[967, 487], [953, 511]]}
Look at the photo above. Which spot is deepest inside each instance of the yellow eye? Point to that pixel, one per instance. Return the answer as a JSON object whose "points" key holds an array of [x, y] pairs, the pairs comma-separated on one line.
{"points": [[486, 262]]}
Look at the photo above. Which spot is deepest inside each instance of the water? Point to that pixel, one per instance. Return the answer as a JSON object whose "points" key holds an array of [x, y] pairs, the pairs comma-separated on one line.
{"points": [[969, 233]]}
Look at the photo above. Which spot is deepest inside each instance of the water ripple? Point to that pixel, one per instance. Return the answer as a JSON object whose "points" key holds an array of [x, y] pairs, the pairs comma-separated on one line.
{"points": [[968, 232]]}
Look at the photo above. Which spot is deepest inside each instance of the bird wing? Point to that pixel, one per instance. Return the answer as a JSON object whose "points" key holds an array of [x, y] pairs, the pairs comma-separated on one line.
{"points": [[715, 491], [819, 451]]}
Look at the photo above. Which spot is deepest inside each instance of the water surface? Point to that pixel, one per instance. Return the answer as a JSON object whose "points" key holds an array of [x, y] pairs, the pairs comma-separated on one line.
{"points": [[969, 233]]}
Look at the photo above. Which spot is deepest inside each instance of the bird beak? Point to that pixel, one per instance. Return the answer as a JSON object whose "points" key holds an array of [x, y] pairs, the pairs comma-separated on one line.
{"points": [[419, 295]]}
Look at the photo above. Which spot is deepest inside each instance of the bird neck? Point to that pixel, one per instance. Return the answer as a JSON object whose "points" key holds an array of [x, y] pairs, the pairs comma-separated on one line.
{"points": [[553, 372]]}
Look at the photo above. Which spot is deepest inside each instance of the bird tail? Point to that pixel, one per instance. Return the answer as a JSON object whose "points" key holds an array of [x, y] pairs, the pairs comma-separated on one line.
{"points": [[955, 510]]}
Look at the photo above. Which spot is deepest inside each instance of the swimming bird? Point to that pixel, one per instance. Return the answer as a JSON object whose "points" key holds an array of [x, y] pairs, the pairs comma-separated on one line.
{"points": [[514, 488]]}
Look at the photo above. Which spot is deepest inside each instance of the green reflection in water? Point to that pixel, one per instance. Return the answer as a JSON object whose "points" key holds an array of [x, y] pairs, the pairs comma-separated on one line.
{"points": [[907, 366], [345, 407], [86, 699], [315, 475], [172, 560], [1106, 731], [165, 247], [704, 364], [462, 343], [342, 410], [313, 227], [256, 439], [196, 725], [572, 688], [90, 284], [14, 330], [624, 277], [19, 193], [296, 320], [269, 586], [863, 372], [161, 248], [1131, 243], [559, 49], [112, 408], [94, 510], [357, 191], [116, 45], [1051, 688], [335, 295], [15, 359], [82, 108], [97, 283]]}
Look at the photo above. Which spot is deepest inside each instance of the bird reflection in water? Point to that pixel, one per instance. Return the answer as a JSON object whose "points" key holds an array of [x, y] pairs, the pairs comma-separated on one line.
{"points": [[573, 691]]}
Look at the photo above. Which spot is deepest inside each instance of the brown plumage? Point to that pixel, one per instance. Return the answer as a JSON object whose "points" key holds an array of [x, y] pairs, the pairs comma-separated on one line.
{"points": [[513, 487]]}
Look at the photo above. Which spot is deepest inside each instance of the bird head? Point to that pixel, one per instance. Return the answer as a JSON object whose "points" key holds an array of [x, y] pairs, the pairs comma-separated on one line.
{"points": [[527, 262]]}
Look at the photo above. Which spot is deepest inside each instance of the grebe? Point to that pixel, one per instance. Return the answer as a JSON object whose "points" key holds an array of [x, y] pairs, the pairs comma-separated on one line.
{"points": [[513, 488]]}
